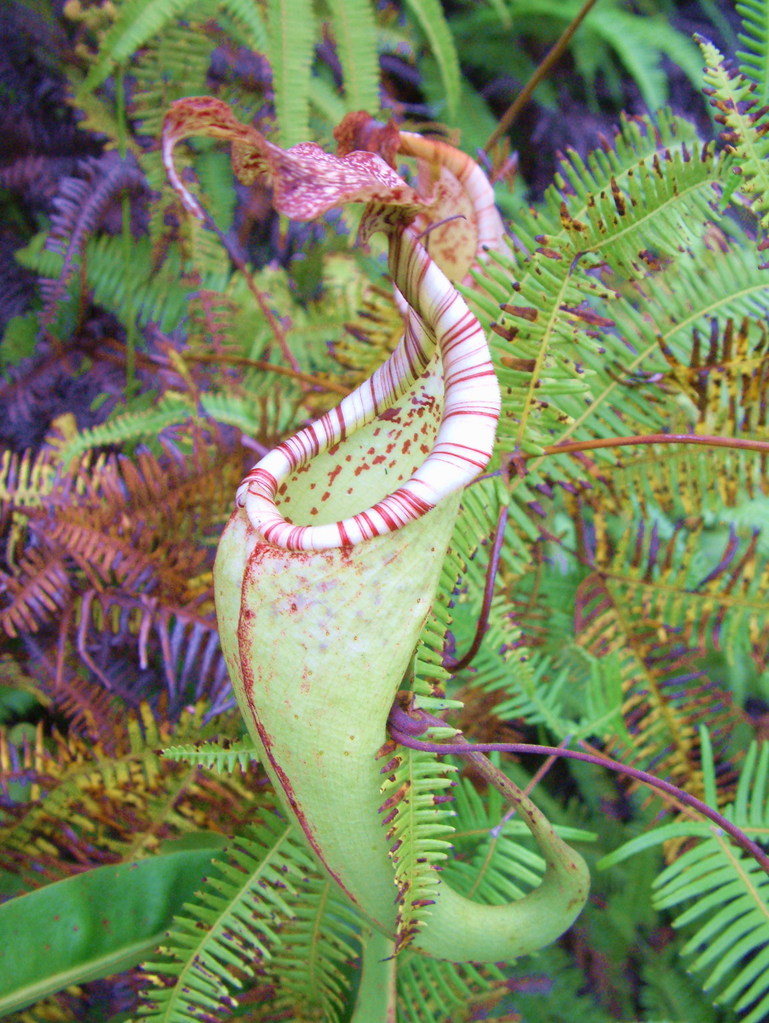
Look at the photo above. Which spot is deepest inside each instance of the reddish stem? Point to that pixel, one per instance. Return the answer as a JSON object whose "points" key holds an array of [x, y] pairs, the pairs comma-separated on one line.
{"points": [[449, 663], [705, 440], [227, 359], [274, 324], [404, 726], [552, 56]]}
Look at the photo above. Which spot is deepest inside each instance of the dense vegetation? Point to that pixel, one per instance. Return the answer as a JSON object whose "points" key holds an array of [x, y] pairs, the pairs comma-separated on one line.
{"points": [[148, 358]]}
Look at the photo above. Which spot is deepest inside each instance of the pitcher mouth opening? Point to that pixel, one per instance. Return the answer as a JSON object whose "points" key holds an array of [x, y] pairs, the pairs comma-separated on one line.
{"points": [[350, 493]]}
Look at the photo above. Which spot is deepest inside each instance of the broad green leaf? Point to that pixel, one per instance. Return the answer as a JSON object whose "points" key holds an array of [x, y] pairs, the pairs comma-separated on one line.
{"points": [[94, 924]]}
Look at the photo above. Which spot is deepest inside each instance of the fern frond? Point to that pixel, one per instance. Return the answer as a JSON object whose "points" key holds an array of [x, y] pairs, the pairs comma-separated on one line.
{"points": [[249, 17], [713, 594], [317, 946], [493, 865], [114, 798], [637, 141], [417, 832], [222, 757], [660, 637], [645, 194], [291, 25], [640, 43], [38, 590], [232, 928], [663, 206], [734, 98], [136, 22], [141, 292], [79, 209], [754, 59], [429, 988], [431, 19], [725, 887], [747, 808], [143, 424], [536, 377], [688, 294], [356, 43], [532, 689], [728, 384], [172, 64]]}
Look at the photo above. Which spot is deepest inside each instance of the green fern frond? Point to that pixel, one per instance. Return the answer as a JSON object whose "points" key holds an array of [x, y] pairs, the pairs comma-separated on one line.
{"points": [[725, 887], [428, 989], [291, 25], [690, 294], [494, 861], [639, 44], [754, 59], [537, 378], [637, 141], [748, 807], [136, 22], [141, 22], [721, 286], [248, 16], [310, 969], [430, 17], [417, 832], [734, 98], [532, 689], [658, 619], [222, 757], [644, 194], [172, 64], [141, 425], [138, 292], [354, 31], [231, 929], [663, 206]]}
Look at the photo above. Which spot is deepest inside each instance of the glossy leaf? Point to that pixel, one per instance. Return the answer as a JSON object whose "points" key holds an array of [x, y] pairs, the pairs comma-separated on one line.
{"points": [[94, 924]]}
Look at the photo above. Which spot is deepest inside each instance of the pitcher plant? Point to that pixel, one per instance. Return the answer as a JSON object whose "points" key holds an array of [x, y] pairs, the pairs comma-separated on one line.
{"points": [[327, 569]]}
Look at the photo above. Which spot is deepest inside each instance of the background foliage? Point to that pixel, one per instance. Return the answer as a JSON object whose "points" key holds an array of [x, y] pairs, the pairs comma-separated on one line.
{"points": [[145, 362]]}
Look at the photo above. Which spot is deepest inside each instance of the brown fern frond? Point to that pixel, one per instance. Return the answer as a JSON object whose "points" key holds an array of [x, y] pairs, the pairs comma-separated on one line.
{"points": [[667, 692], [36, 178], [35, 593], [726, 377], [95, 805], [181, 644], [115, 554], [81, 207], [91, 710]]}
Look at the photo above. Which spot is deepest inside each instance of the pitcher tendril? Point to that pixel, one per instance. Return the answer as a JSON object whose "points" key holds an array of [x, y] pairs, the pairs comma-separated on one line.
{"points": [[327, 569]]}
